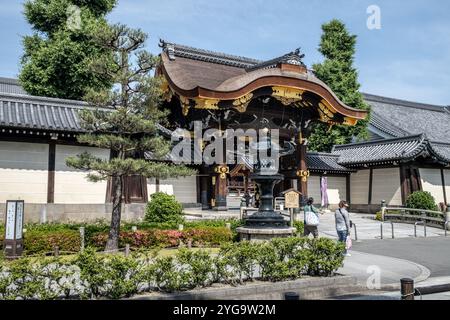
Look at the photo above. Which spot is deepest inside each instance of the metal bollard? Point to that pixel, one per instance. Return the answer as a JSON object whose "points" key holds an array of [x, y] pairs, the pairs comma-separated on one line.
{"points": [[356, 233], [56, 251], [407, 289], [127, 250], [381, 230], [291, 296], [81, 238], [392, 229], [228, 225]]}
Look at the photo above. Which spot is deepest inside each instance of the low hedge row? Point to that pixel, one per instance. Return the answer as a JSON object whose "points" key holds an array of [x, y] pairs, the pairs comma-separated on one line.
{"points": [[40, 241], [93, 275], [206, 236]]}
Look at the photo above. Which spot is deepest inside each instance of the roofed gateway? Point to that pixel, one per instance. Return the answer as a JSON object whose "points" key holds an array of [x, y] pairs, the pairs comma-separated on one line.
{"points": [[225, 91]]}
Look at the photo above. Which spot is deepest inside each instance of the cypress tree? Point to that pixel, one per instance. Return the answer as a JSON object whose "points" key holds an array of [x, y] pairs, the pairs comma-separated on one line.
{"points": [[338, 47], [56, 58]]}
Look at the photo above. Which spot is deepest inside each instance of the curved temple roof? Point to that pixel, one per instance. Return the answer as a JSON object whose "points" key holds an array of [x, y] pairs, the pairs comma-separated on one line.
{"points": [[391, 151], [197, 73]]}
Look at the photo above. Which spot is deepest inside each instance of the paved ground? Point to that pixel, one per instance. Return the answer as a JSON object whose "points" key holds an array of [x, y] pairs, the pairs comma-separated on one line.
{"points": [[426, 260], [377, 271], [433, 253]]}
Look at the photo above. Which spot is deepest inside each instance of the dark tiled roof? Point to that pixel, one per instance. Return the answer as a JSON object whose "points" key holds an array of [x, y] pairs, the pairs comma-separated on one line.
{"points": [[177, 50], [399, 118], [325, 162], [389, 151], [8, 85], [39, 113]]}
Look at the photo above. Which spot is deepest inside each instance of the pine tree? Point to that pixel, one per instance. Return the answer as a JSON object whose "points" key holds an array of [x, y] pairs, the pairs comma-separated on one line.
{"points": [[337, 71], [56, 57], [125, 119]]}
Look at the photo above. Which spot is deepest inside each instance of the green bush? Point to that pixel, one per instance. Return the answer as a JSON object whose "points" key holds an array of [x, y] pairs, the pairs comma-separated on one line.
{"points": [[299, 226], [206, 236], [421, 200], [378, 216], [163, 208], [93, 275], [37, 242]]}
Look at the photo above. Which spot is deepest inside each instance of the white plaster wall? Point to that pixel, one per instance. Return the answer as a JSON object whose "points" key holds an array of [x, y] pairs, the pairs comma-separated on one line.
{"points": [[184, 189], [359, 187], [432, 182], [314, 189], [71, 186], [336, 190], [386, 186], [23, 171]]}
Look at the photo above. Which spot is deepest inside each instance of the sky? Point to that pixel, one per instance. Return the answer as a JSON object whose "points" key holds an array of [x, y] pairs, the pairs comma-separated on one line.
{"points": [[407, 58]]}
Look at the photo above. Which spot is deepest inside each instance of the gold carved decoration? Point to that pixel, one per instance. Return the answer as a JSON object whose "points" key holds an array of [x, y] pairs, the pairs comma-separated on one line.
{"points": [[185, 105], [303, 174], [326, 112], [286, 95], [222, 171], [167, 91], [241, 103], [201, 103]]}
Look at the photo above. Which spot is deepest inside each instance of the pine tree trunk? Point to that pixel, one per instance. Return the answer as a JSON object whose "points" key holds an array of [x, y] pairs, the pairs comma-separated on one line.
{"points": [[114, 230]]}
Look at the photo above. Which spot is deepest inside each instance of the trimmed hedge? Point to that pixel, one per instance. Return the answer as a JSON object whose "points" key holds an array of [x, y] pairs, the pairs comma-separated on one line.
{"points": [[206, 236], [92, 275], [39, 242]]}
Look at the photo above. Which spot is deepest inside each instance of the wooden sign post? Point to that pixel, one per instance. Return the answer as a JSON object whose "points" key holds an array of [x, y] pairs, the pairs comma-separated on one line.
{"points": [[291, 202], [13, 242]]}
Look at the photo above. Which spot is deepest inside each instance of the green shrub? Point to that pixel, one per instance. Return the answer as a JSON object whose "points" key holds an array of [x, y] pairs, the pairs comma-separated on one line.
{"points": [[93, 275], [196, 266], [299, 226], [378, 216], [421, 200], [163, 208], [37, 242], [206, 236], [324, 256]]}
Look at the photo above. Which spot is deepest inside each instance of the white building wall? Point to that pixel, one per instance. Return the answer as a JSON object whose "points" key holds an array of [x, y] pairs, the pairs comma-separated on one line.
{"points": [[336, 190], [432, 182], [184, 189], [23, 171], [359, 187], [314, 189], [386, 186], [71, 185]]}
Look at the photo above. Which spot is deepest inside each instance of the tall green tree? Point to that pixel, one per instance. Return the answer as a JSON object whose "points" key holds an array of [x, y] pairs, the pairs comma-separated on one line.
{"points": [[125, 119], [56, 57], [338, 47]]}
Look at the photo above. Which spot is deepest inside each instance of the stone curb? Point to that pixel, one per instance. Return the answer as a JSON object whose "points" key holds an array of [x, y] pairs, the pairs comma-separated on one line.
{"points": [[309, 288]]}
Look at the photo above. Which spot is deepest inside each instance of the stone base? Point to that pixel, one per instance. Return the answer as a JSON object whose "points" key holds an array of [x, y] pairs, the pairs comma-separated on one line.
{"points": [[264, 234]]}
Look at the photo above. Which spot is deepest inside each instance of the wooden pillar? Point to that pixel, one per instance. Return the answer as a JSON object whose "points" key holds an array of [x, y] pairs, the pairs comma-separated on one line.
{"points": [[220, 197], [443, 186], [348, 188], [51, 173], [404, 184], [369, 196], [302, 170]]}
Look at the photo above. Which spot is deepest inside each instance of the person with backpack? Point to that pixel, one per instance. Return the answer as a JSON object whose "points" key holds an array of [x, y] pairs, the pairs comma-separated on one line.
{"points": [[343, 226], [311, 221]]}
